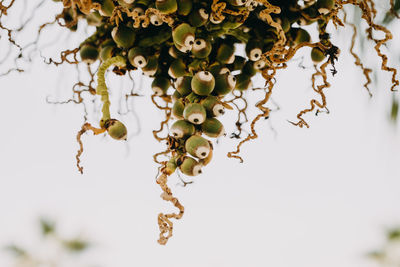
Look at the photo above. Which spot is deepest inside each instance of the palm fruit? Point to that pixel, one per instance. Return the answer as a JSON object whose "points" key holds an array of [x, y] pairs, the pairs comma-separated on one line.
{"points": [[300, 35], [249, 69], [237, 2], [176, 96], [123, 36], [138, 11], [238, 63], [177, 68], [325, 6], [174, 52], [184, 7], [254, 50], [167, 6], [226, 54], [126, 3], [94, 19], [171, 166], [116, 129], [155, 20], [203, 83], [183, 35], [89, 53], [183, 85], [197, 146], [160, 85], [243, 82], [182, 129], [213, 106], [195, 113], [212, 128], [224, 84], [183, 49], [259, 64], [152, 66], [317, 55], [198, 17], [107, 52], [137, 57], [190, 167], [177, 109], [107, 8], [201, 48]]}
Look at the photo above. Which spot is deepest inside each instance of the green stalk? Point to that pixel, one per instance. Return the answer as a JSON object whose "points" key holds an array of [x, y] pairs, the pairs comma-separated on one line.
{"points": [[102, 87]]}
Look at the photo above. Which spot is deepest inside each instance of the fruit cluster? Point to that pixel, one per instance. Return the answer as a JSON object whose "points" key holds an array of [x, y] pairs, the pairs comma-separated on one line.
{"points": [[200, 51]]}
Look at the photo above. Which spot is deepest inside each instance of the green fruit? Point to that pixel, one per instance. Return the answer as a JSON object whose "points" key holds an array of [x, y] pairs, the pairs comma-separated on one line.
{"points": [[213, 106], [116, 129], [201, 48], [195, 113], [94, 19], [325, 6], [167, 6], [183, 85], [89, 53], [184, 7], [198, 17], [238, 63], [182, 129], [155, 20], [177, 109], [177, 69], [317, 55], [243, 82], [300, 36], [171, 166], [190, 167], [152, 66], [107, 8], [226, 54], [160, 85], [254, 50], [237, 2], [107, 52], [176, 96], [183, 35], [224, 84], [137, 57], [203, 83], [197, 146], [123, 36], [212, 128]]}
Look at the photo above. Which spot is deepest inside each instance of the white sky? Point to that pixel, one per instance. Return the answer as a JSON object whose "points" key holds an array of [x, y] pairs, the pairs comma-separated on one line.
{"points": [[308, 198]]}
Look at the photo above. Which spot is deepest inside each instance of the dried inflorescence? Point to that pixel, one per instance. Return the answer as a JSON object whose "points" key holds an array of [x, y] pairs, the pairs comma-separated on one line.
{"points": [[191, 47]]}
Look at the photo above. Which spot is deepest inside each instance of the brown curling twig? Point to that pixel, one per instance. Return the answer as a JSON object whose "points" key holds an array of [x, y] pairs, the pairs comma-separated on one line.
{"points": [[85, 127], [368, 14], [164, 220], [366, 71], [253, 135], [64, 57], [167, 111], [318, 89]]}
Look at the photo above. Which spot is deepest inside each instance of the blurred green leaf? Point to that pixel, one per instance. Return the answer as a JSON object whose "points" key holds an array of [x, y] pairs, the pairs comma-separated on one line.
{"points": [[17, 251], [394, 112], [76, 245], [376, 255], [389, 17], [393, 234], [47, 226]]}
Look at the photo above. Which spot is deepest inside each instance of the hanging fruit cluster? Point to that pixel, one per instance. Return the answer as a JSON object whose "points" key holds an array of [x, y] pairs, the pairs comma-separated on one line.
{"points": [[189, 49]]}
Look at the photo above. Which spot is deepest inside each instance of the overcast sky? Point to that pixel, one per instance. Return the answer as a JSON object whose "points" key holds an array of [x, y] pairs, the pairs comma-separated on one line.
{"points": [[303, 197]]}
